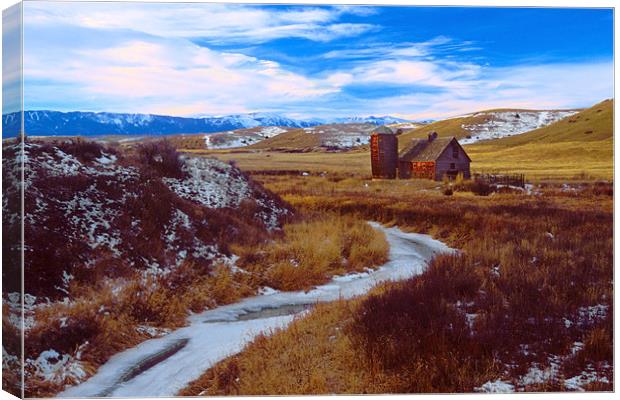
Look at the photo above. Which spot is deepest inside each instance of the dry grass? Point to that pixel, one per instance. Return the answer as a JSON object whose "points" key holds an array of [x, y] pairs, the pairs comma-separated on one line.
{"points": [[529, 264], [576, 160], [354, 161], [312, 356], [579, 147], [544, 161], [106, 313], [339, 245]]}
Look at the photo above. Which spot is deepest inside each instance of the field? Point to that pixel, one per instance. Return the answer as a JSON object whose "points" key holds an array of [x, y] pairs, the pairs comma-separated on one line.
{"points": [[579, 147], [526, 304]]}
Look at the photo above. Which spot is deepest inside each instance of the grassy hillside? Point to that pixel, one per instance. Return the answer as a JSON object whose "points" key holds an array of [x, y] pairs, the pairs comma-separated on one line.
{"points": [[295, 139], [578, 146], [446, 127], [333, 136], [592, 124], [478, 126]]}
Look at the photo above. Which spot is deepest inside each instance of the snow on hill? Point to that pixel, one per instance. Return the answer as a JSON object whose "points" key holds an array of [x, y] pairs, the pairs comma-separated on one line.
{"points": [[342, 136], [499, 124], [385, 120], [242, 137], [84, 205], [50, 123]]}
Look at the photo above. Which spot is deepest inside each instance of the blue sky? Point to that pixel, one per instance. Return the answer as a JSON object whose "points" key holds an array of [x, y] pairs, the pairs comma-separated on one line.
{"points": [[306, 61]]}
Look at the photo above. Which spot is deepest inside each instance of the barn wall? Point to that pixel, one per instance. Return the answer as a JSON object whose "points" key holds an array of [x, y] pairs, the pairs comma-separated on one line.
{"points": [[404, 169], [424, 169], [446, 158]]}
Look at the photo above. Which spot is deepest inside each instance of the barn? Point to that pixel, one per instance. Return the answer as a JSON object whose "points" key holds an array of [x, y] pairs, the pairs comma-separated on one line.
{"points": [[433, 158]]}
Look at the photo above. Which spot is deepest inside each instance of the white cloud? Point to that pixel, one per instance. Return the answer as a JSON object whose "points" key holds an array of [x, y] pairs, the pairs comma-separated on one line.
{"points": [[139, 58], [169, 76], [212, 22], [549, 86]]}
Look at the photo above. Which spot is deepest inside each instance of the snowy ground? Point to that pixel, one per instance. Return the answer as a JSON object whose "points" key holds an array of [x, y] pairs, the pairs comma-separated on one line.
{"points": [[241, 137], [163, 366], [503, 124], [342, 136]]}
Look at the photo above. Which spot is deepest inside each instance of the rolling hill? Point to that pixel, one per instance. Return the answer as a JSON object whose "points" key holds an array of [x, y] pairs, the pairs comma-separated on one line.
{"points": [[580, 146], [592, 124], [489, 124], [339, 136]]}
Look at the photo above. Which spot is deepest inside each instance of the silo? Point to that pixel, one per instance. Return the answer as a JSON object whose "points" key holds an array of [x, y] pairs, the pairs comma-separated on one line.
{"points": [[383, 153]]}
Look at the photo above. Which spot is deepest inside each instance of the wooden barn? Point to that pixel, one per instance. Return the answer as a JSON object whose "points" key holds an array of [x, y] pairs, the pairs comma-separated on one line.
{"points": [[433, 158]]}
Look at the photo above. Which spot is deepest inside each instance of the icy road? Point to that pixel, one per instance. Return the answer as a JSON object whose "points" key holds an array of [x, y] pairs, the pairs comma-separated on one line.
{"points": [[161, 367]]}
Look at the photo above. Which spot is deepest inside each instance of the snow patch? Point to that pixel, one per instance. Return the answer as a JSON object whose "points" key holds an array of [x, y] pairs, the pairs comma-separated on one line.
{"points": [[497, 386], [504, 124]]}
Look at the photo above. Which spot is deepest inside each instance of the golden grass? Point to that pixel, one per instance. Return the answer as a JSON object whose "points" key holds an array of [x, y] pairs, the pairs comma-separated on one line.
{"points": [[107, 312], [579, 147], [592, 124], [541, 161], [295, 139], [312, 356], [538, 161], [553, 252], [353, 162], [310, 252]]}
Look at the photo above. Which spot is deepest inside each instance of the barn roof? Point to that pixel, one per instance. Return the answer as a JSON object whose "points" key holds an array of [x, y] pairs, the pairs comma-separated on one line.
{"points": [[384, 130], [423, 150]]}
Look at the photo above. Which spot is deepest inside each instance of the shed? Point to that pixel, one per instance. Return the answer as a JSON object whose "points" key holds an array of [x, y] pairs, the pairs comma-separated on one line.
{"points": [[433, 158]]}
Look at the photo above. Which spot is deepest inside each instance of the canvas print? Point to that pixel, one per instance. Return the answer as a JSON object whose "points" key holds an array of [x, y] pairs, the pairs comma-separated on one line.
{"points": [[216, 199]]}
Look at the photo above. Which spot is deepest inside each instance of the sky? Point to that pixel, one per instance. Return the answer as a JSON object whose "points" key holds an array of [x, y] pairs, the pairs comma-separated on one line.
{"points": [[190, 59]]}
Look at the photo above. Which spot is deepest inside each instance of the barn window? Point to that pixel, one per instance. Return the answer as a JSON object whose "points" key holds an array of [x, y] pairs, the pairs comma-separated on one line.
{"points": [[452, 166], [455, 152]]}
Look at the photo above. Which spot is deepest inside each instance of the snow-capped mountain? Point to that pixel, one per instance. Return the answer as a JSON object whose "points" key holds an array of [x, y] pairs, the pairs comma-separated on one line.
{"points": [[50, 123], [385, 120]]}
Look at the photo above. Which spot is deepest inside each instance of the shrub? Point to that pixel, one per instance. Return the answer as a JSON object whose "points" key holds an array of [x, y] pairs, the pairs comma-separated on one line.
{"points": [[85, 151], [480, 188], [162, 157]]}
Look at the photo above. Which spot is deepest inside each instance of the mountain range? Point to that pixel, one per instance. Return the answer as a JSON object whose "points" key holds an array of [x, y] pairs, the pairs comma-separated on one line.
{"points": [[55, 123]]}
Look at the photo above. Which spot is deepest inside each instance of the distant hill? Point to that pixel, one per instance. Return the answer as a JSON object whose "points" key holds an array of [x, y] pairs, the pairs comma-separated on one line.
{"points": [[55, 123], [592, 124], [489, 124], [580, 146], [336, 136]]}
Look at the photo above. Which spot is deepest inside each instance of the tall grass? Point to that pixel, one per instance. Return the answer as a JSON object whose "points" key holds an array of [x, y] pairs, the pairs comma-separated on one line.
{"points": [[105, 313], [310, 252], [529, 269]]}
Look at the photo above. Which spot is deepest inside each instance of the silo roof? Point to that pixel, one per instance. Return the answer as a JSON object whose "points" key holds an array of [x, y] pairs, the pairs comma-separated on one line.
{"points": [[384, 130]]}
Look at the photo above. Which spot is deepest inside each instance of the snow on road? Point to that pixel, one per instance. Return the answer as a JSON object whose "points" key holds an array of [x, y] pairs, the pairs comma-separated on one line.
{"points": [[163, 366]]}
